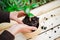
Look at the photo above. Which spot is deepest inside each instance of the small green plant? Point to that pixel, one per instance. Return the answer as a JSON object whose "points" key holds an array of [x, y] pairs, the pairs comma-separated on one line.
{"points": [[25, 5]]}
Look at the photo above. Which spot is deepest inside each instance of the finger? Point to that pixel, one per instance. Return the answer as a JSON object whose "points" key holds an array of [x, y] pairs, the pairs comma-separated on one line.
{"points": [[21, 13], [25, 31], [18, 20], [32, 28]]}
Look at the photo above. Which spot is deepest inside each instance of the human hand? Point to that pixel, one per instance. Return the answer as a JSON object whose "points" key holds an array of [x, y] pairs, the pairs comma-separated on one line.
{"points": [[15, 29], [15, 15]]}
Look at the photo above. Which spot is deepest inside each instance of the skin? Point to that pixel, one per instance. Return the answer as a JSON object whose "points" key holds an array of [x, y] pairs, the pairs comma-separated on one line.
{"points": [[20, 27], [15, 15]]}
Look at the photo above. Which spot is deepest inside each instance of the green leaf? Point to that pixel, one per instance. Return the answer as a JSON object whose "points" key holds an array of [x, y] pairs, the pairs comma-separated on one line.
{"points": [[2, 4], [27, 1], [34, 5], [27, 10], [25, 5], [34, 1], [30, 15]]}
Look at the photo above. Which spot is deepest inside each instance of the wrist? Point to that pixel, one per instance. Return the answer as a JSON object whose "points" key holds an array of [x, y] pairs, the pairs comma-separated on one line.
{"points": [[13, 14], [12, 30]]}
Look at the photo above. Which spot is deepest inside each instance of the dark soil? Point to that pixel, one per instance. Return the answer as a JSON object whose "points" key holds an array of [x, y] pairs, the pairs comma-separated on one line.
{"points": [[34, 21]]}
